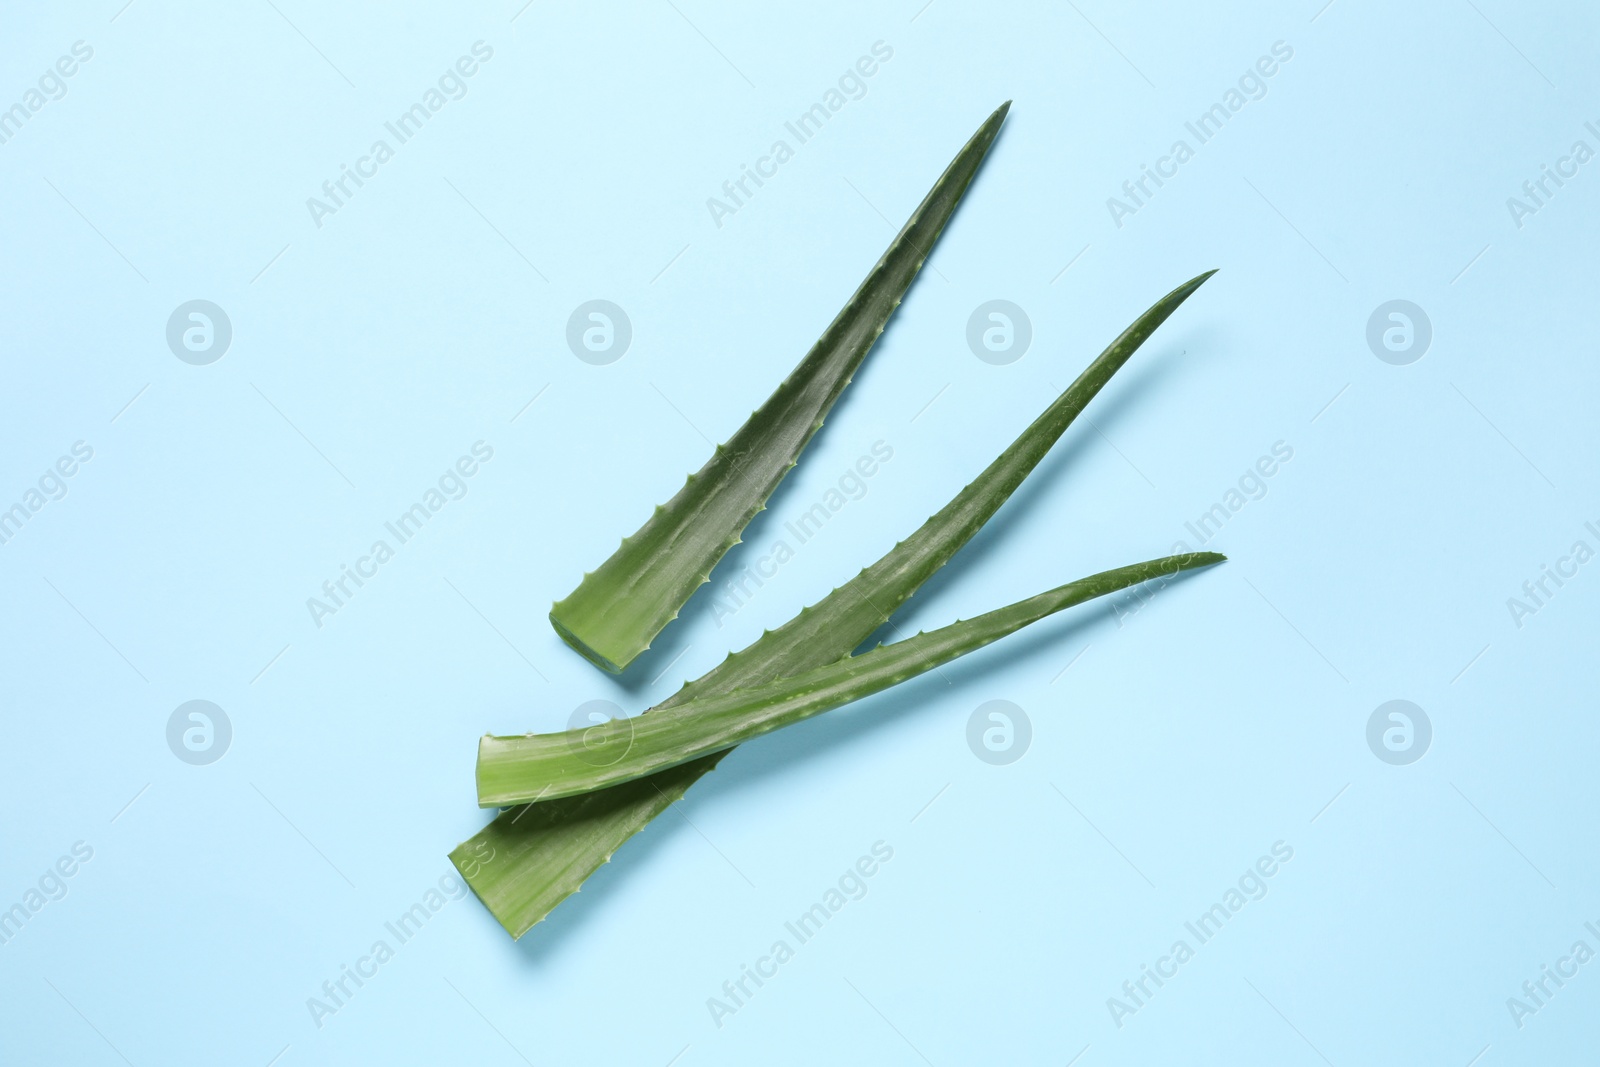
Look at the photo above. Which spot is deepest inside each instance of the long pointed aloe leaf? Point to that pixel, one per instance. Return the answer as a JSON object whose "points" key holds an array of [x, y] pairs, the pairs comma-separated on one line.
{"points": [[853, 612], [530, 858], [620, 607], [527, 767]]}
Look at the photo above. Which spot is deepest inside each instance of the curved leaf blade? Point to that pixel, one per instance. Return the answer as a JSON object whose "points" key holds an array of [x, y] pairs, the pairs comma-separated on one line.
{"points": [[529, 767], [620, 607]]}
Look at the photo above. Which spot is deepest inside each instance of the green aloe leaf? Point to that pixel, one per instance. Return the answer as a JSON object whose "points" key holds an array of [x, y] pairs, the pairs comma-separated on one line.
{"points": [[620, 607], [836, 625], [530, 767], [530, 858]]}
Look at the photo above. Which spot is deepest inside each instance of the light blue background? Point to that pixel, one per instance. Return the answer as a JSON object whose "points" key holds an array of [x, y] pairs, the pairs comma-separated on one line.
{"points": [[1180, 744]]}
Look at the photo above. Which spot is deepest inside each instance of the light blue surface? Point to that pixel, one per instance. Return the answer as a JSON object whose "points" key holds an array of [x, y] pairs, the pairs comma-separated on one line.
{"points": [[1171, 748]]}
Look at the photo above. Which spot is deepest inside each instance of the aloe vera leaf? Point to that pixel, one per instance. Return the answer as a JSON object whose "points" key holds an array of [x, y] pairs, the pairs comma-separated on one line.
{"points": [[620, 607], [838, 623], [527, 767], [531, 857]]}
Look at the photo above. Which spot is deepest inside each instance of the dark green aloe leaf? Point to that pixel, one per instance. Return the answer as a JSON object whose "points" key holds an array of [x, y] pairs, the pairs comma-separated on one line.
{"points": [[620, 607], [530, 858]]}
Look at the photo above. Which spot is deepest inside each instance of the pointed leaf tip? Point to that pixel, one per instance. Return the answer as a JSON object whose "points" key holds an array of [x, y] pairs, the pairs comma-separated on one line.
{"points": [[991, 126]]}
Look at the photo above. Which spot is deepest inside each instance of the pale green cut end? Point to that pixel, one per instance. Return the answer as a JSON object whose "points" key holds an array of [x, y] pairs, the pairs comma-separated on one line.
{"points": [[577, 644]]}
